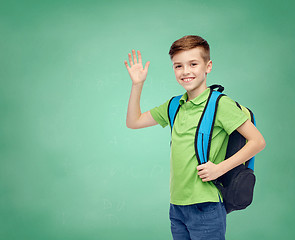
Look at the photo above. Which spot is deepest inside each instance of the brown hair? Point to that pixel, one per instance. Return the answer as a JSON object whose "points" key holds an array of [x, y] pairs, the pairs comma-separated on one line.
{"points": [[189, 42]]}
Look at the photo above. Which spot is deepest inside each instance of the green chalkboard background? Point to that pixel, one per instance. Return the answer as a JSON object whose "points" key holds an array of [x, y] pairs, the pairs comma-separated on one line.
{"points": [[70, 169]]}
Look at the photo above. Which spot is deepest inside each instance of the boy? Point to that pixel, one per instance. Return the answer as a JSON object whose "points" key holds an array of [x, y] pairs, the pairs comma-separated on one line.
{"points": [[196, 207]]}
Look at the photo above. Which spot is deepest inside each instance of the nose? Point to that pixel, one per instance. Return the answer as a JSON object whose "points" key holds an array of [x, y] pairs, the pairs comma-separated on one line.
{"points": [[186, 69]]}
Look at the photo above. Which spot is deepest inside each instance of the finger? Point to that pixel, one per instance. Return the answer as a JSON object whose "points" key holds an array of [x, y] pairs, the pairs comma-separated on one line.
{"points": [[126, 64], [203, 175], [200, 167], [139, 57], [130, 59], [146, 67], [205, 179], [134, 56]]}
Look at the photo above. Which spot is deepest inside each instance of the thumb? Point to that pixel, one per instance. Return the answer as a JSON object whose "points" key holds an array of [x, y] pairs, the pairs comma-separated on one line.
{"points": [[147, 66]]}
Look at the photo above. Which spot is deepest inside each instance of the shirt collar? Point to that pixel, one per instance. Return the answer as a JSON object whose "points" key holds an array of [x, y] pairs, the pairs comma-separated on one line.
{"points": [[197, 100]]}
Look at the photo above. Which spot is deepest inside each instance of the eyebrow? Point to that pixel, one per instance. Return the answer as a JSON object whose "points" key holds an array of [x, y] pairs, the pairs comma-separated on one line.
{"points": [[188, 61]]}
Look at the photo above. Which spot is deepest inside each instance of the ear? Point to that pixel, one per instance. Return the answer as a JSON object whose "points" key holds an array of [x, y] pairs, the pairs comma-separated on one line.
{"points": [[209, 66]]}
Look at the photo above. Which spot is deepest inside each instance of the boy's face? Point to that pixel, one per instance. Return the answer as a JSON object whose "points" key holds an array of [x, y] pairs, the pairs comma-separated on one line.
{"points": [[190, 69]]}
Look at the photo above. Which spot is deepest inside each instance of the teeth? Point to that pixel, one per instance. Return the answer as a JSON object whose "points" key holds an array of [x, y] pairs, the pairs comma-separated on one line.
{"points": [[187, 79]]}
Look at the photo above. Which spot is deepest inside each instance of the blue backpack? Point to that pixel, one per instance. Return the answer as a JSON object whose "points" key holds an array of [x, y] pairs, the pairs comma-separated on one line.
{"points": [[237, 185]]}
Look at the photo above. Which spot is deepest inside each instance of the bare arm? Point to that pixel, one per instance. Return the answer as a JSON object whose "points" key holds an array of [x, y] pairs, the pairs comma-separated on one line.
{"points": [[256, 143], [135, 119]]}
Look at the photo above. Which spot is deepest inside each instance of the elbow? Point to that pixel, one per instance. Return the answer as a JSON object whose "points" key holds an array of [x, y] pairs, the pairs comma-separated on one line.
{"points": [[259, 144], [130, 126], [262, 144]]}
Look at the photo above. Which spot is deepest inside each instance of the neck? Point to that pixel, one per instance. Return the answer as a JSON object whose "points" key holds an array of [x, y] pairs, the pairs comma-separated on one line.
{"points": [[197, 92]]}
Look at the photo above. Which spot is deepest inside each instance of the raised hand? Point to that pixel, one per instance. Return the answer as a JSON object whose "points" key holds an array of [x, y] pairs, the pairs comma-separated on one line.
{"points": [[136, 71]]}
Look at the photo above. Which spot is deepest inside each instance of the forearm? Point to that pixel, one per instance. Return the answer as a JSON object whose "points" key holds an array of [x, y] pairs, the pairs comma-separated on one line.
{"points": [[250, 149], [134, 111]]}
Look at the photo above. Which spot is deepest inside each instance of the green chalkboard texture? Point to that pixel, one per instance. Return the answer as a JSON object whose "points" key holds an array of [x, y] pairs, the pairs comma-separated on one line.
{"points": [[70, 169]]}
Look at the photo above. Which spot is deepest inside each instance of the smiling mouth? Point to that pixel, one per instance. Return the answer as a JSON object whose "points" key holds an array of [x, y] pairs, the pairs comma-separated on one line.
{"points": [[187, 80]]}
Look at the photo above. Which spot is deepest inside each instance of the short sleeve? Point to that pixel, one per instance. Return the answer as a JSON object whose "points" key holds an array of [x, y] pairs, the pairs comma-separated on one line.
{"points": [[160, 114], [229, 116]]}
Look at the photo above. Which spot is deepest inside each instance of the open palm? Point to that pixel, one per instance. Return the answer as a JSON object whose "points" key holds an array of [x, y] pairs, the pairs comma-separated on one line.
{"points": [[136, 71]]}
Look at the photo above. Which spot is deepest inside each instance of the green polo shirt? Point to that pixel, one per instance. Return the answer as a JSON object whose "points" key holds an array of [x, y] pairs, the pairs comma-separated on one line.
{"points": [[186, 187]]}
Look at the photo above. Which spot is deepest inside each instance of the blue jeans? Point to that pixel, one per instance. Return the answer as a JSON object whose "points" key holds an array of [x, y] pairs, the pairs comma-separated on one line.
{"points": [[198, 221]]}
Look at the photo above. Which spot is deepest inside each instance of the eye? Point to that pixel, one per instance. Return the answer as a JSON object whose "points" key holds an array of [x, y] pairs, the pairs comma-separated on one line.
{"points": [[194, 64], [177, 66]]}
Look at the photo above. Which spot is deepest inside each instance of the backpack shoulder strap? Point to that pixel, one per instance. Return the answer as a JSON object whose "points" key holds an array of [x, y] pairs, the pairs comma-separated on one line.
{"points": [[205, 127], [173, 108], [249, 163]]}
